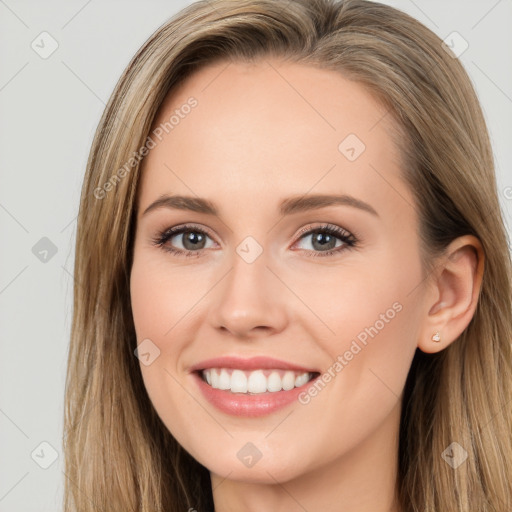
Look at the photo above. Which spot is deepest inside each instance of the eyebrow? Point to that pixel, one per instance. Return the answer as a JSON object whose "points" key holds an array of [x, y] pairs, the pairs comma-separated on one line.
{"points": [[288, 206]]}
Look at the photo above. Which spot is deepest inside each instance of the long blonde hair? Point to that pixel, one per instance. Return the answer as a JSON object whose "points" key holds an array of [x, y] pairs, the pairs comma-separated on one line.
{"points": [[118, 453]]}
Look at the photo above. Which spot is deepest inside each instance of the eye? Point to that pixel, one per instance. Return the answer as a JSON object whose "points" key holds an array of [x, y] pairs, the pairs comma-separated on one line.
{"points": [[192, 239], [326, 238]]}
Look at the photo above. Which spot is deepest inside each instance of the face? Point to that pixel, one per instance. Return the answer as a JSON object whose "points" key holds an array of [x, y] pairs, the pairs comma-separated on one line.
{"points": [[281, 285]]}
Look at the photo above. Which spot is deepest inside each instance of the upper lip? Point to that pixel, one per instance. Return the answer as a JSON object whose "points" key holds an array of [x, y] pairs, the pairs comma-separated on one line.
{"points": [[253, 363]]}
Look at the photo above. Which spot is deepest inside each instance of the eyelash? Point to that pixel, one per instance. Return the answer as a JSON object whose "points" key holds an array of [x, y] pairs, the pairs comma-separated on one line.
{"points": [[164, 236]]}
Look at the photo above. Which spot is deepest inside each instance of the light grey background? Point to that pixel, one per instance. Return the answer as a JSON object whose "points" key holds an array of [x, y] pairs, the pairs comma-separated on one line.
{"points": [[49, 111]]}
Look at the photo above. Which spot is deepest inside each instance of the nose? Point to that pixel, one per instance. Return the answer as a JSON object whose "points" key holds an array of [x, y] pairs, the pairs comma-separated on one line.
{"points": [[250, 300]]}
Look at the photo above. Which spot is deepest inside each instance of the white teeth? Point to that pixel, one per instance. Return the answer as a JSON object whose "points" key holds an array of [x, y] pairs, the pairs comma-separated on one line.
{"points": [[238, 382], [215, 380], [254, 382], [274, 382], [224, 380], [288, 381], [257, 382], [300, 380]]}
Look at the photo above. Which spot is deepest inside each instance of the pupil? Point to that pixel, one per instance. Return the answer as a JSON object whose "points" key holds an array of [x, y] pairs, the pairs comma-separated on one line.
{"points": [[192, 237], [323, 239]]}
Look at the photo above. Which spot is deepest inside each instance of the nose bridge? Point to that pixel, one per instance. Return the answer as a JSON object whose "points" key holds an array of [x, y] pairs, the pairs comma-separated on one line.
{"points": [[249, 297]]}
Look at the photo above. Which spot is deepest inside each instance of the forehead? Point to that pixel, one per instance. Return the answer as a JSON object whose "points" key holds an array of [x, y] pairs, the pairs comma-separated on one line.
{"points": [[270, 128]]}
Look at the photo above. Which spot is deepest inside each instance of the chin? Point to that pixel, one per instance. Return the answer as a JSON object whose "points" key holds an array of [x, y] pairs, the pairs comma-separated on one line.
{"points": [[267, 470], [264, 474]]}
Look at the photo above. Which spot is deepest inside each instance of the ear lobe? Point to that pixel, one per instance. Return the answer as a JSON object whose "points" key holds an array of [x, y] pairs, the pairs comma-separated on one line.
{"points": [[453, 295]]}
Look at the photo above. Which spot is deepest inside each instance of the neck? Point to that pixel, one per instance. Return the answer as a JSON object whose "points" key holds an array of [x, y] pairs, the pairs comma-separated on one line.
{"points": [[361, 480]]}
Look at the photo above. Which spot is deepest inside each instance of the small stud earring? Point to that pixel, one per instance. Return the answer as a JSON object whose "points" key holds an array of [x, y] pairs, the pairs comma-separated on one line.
{"points": [[436, 337]]}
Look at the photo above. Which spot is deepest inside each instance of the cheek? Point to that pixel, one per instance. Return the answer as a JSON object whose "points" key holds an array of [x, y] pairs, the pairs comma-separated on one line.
{"points": [[376, 299], [146, 300], [378, 323], [158, 303], [155, 306], [162, 296], [370, 316], [164, 301], [347, 300]]}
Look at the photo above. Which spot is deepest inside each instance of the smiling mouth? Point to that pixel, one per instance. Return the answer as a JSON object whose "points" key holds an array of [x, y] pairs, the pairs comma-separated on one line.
{"points": [[255, 382]]}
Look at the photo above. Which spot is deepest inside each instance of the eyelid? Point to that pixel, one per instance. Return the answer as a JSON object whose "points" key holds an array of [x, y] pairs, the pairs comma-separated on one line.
{"points": [[324, 226], [180, 228]]}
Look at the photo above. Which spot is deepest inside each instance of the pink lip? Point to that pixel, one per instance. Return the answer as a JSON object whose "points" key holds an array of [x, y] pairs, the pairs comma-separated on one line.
{"points": [[241, 404], [254, 363]]}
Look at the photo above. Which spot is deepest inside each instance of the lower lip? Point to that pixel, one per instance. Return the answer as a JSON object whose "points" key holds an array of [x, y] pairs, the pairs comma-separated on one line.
{"points": [[241, 404]]}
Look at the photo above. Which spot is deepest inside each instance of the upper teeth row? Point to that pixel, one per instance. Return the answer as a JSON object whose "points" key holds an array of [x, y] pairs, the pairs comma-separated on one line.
{"points": [[256, 381]]}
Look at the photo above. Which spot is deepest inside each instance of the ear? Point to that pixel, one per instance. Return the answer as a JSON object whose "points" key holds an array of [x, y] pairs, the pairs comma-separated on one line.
{"points": [[453, 293]]}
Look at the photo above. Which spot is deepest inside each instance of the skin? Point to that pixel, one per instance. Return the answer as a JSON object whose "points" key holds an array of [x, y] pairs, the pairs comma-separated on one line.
{"points": [[262, 132]]}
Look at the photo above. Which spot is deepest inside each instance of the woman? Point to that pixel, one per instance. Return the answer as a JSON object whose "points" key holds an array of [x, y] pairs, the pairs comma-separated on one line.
{"points": [[228, 369]]}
